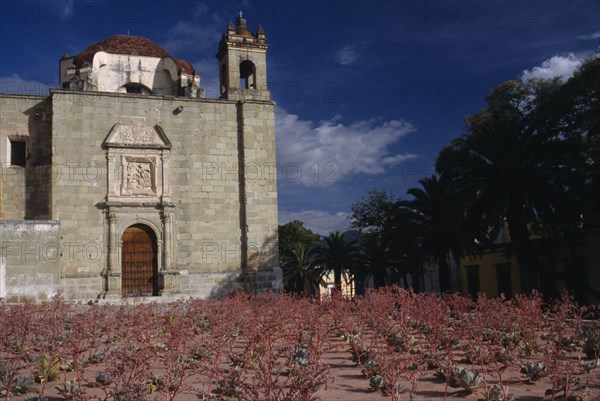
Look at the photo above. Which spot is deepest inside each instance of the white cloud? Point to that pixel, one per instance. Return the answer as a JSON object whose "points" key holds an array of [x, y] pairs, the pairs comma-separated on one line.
{"points": [[200, 32], [349, 54], [187, 36], [591, 36], [400, 158], [16, 84], [324, 153], [319, 221], [557, 66]]}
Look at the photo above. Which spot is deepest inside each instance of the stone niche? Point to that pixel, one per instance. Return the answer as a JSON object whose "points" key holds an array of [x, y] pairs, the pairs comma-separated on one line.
{"points": [[138, 161]]}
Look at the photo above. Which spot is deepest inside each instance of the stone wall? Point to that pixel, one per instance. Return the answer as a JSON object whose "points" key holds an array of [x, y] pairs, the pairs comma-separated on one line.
{"points": [[29, 260], [26, 191], [216, 216], [212, 205]]}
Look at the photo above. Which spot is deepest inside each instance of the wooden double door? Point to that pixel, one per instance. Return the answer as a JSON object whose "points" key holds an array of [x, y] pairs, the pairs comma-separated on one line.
{"points": [[139, 260]]}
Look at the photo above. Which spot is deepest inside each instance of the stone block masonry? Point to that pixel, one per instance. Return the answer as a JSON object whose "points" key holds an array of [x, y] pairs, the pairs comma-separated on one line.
{"points": [[29, 260]]}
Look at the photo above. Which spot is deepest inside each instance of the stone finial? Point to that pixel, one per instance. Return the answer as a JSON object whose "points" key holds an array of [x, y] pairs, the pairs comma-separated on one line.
{"points": [[261, 31]]}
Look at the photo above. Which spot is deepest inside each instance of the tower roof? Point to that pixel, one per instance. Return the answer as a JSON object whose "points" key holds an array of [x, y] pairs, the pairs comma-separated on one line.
{"points": [[125, 44], [241, 28]]}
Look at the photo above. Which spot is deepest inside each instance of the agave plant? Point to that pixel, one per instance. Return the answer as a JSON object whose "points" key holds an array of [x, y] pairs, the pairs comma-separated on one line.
{"points": [[48, 368], [370, 368], [360, 355], [103, 378], [465, 378], [300, 357], [534, 371], [591, 347], [67, 390], [398, 388], [377, 383], [478, 354], [21, 385], [400, 342], [497, 393]]}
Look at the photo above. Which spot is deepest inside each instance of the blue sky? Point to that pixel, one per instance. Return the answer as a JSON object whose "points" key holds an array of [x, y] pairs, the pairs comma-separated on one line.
{"points": [[367, 92]]}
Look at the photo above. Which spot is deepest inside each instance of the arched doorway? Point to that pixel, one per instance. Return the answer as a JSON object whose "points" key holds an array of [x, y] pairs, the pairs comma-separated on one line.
{"points": [[139, 261]]}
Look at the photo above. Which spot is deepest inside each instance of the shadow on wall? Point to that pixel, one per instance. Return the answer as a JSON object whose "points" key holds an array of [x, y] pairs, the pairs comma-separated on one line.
{"points": [[261, 272], [39, 174]]}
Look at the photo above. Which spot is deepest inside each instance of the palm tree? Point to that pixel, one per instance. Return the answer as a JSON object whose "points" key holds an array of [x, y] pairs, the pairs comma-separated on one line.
{"points": [[338, 254], [508, 167], [376, 258], [434, 216], [300, 269]]}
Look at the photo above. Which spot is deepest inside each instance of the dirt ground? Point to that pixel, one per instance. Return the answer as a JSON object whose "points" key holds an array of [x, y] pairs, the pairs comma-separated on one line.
{"points": [[351, 385]]}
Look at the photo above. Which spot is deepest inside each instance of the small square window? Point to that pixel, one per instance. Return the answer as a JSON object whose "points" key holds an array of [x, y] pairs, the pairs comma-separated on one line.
{"points": [[18, 153]]}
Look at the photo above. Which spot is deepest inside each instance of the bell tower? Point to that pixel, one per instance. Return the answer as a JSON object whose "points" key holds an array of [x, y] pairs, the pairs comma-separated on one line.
{"points": [[243, 62]]}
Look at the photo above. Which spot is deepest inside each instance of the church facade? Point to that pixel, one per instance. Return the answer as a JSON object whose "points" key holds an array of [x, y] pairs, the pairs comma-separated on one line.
{"points": [[126, 181]]}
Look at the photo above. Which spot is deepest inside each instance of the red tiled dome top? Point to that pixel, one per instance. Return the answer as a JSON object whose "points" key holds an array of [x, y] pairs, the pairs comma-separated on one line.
{"points": [[125, 44], [243, 31]]}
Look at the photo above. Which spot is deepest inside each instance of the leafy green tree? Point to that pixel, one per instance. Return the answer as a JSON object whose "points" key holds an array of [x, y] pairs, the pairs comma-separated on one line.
{"points": [[338, 254], [293, 233], [375, 213], [575, 108], [514, 165]]}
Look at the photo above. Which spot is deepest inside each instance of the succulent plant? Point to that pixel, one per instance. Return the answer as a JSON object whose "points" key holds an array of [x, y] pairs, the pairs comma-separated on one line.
{"points": [[478, 354], [67, 366], [534, 371], [360, 355], [401, 342], [103, 378], [591, 346], [588, 366], [465, 378], [398, 388], [47, 369], [300, 356], [377, 383], [36, 398], [496, 393], [154, 383], [370, 368], [96, 357], [21, 385], [67, 390]]}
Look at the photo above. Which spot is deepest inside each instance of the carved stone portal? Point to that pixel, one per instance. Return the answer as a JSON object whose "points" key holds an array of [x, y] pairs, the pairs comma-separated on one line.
{"points": [[138, 192]]}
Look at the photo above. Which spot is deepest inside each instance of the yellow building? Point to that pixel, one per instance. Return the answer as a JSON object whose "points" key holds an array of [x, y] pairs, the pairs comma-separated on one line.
{"points": [[328, 284], [495, 272]]}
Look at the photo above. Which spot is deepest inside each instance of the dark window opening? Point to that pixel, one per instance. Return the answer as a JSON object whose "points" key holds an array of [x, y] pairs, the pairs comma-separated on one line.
{"points": [[137, 89], [473, 281], [224, 79], [133, 89], [503, 279], [247, 75], [18, 153]]}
